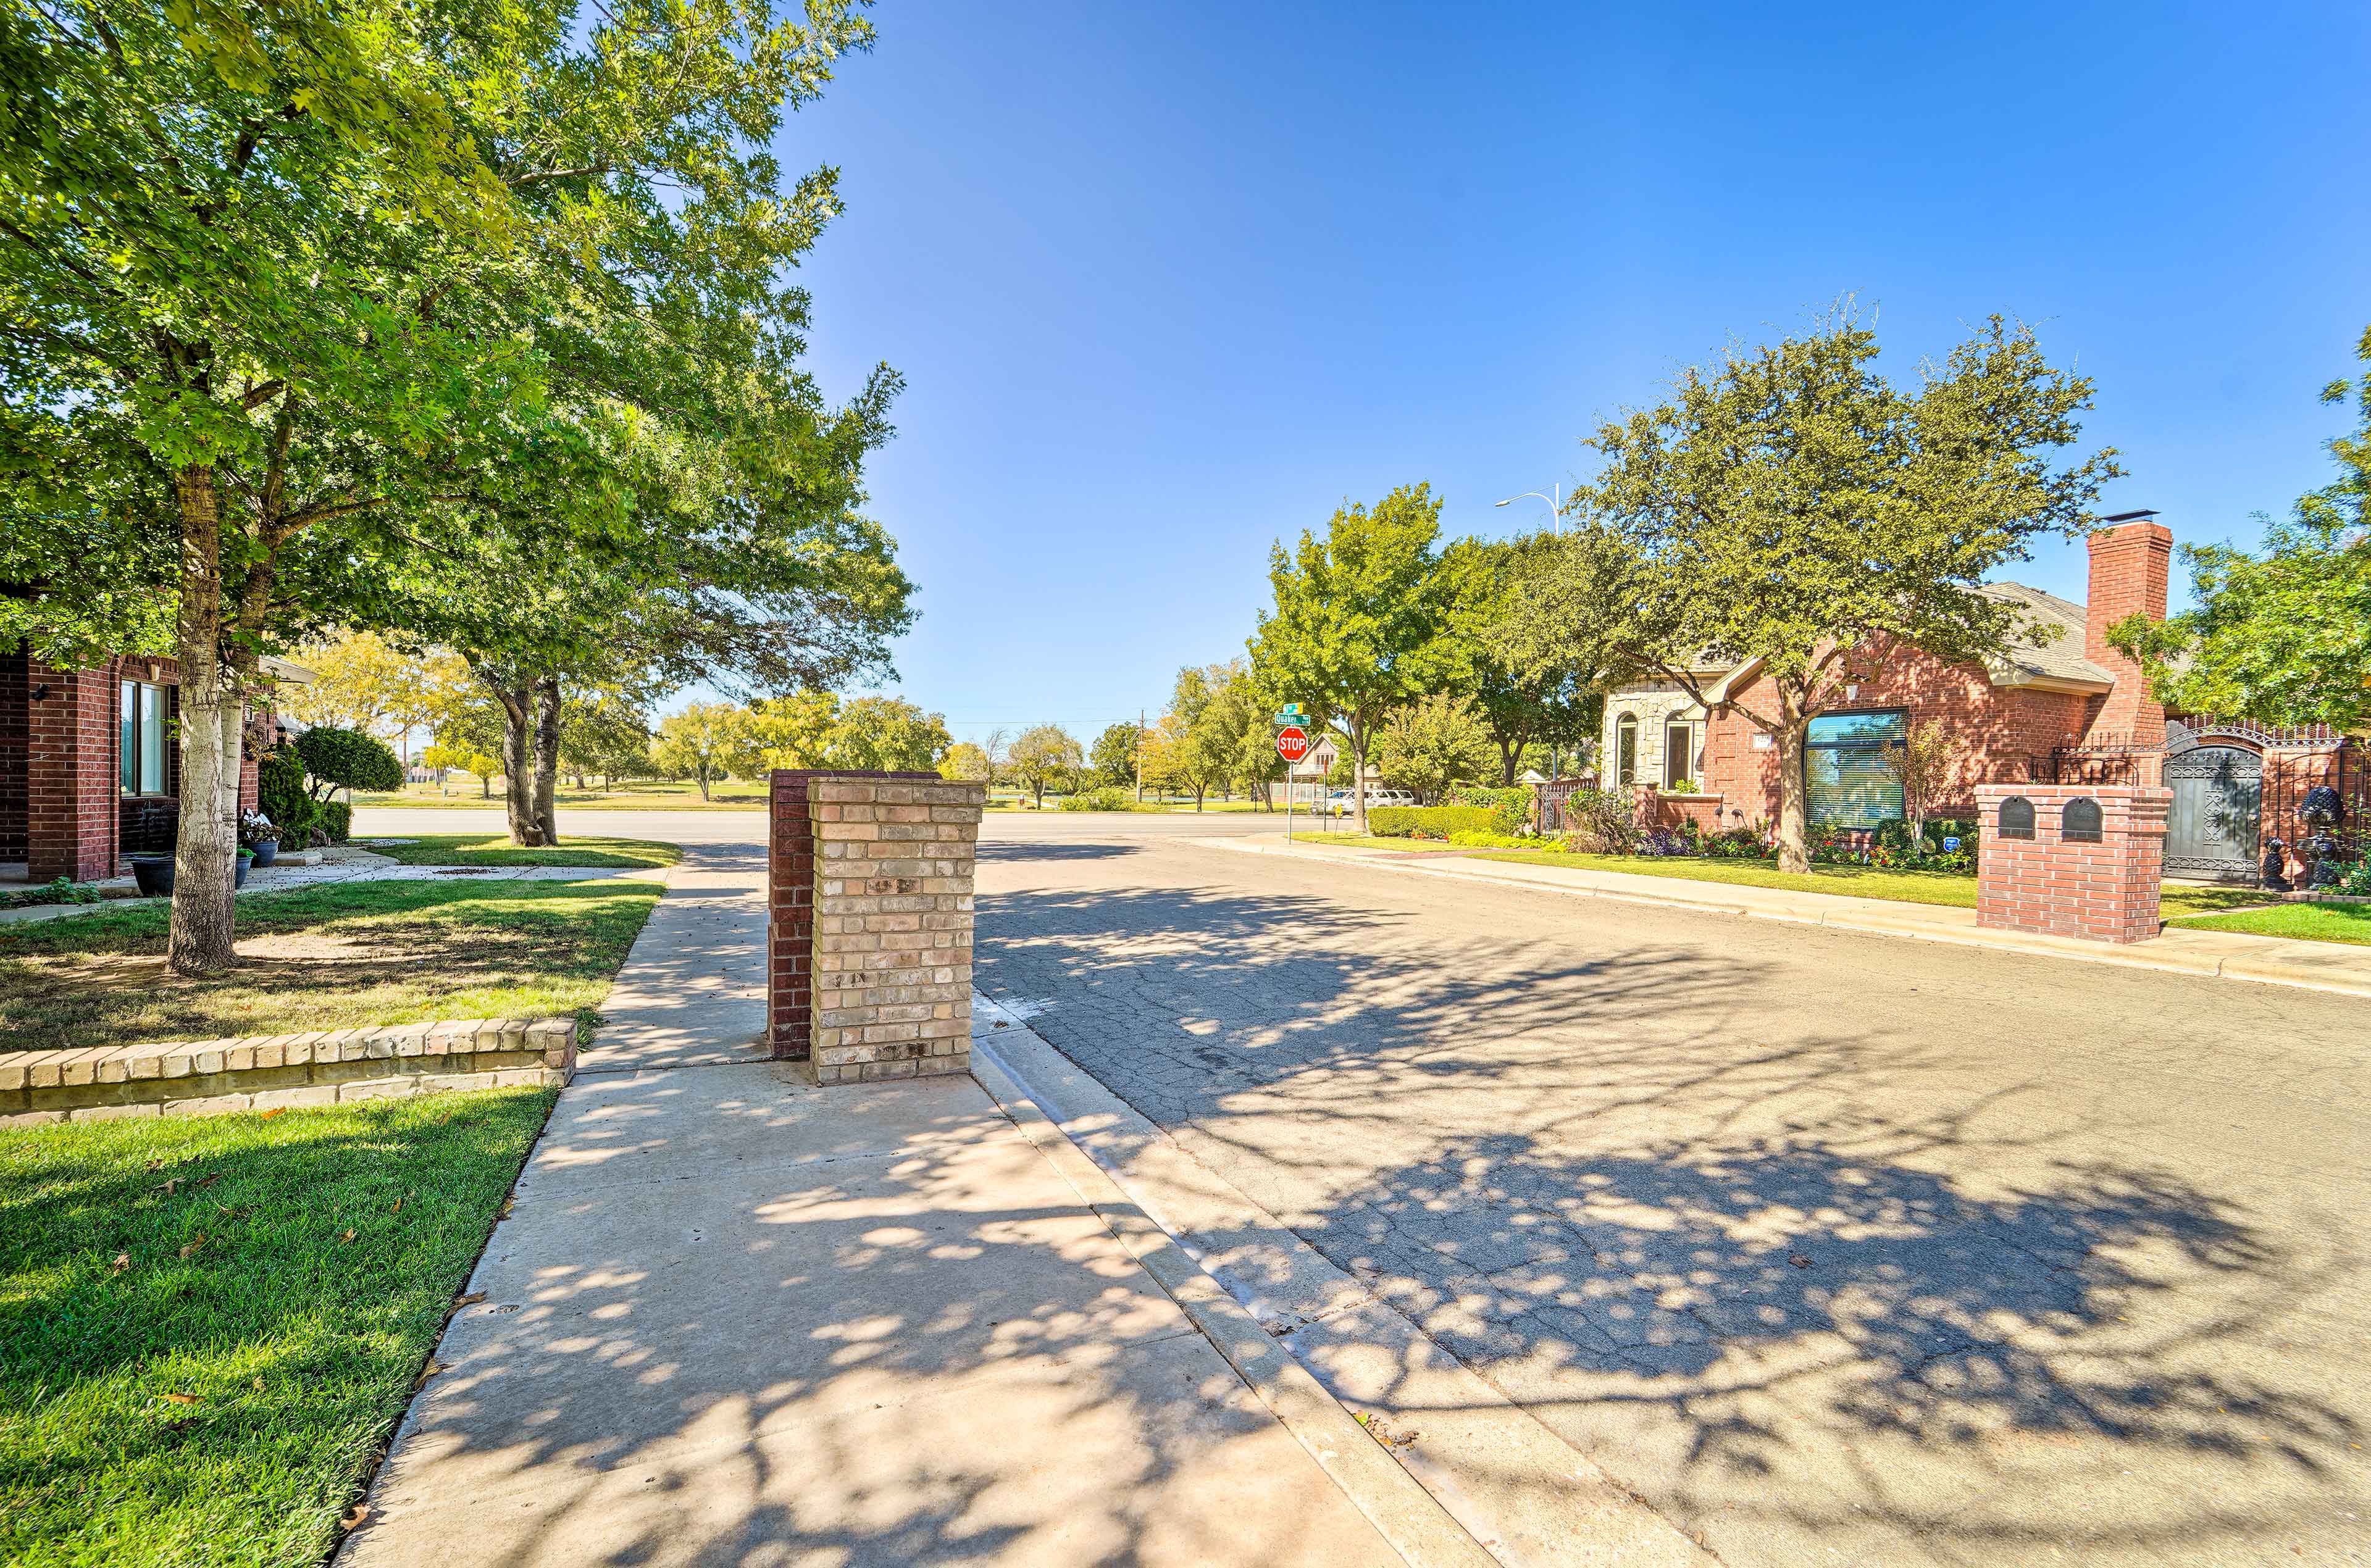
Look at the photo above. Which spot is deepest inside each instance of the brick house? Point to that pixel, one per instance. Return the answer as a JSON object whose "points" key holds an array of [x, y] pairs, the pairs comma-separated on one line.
{"points": [[2065, 706], [89, 770]]}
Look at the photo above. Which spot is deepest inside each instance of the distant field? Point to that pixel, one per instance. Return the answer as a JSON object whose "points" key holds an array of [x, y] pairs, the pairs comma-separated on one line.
{"points": [[737, 795]]}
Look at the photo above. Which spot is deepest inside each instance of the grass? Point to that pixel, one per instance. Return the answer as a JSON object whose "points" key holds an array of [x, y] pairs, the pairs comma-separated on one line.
{"points": [[2303, 922], [740, 795], [1369, 841], [332, 956], [478, 849], [208, 1327]]}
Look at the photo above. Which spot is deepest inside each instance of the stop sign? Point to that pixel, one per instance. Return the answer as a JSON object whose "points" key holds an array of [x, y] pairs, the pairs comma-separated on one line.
{"points": [[1292, 743]]}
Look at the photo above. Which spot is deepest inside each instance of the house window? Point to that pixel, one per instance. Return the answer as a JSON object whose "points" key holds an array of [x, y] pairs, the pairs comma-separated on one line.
{"points": [[1678, 753], [146, 744], [1847, 767], [1626, 749]]}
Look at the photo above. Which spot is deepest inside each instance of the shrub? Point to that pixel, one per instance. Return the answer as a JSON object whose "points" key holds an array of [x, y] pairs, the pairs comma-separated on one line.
{"points": [[1736, 844], [1511, 801], [1657, 842], [1431, 821], [1605, 818], [1683, 786], [2356, 882], [1466, 838], [347, 759], [280, 795], [335, 821], [1108, 798]]}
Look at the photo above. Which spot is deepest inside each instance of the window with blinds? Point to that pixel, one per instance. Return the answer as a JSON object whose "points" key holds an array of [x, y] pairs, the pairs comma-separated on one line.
{"points": [[1847, 767]]}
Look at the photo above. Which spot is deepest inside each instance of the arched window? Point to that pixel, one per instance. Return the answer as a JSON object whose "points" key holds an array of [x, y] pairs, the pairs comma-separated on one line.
{"points": [[1678, 751], [2017, 817], [1626, 749], [2079, 823]]}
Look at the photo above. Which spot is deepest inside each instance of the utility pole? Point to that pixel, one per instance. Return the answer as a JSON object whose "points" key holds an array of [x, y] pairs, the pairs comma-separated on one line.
{"points": [[1139, 756]]}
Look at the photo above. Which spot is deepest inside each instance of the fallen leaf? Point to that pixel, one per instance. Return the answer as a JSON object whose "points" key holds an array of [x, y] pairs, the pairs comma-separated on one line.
{"points": [[208, 1182], [122, 1261], [469, 1300], [193, 1246], [434, 1368], [275, 1110], [166, 1186], [352, 1518], [1799, 1261], [398, 1208], [182, 1398], [348, 1236], [155, 1165]]}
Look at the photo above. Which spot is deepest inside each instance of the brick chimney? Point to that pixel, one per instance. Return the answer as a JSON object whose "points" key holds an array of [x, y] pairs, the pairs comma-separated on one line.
{"points": [[2131, 559]]}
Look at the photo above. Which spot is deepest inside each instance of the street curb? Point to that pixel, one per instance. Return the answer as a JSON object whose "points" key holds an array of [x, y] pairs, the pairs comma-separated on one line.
{"points": [[1402, 1511], [1526, 1495], [2297, 964]]}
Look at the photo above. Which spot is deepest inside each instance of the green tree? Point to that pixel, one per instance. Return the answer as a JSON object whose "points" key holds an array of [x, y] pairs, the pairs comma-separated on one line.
{"points": [[1433, 744], [794, 730], [887, 734], [1114, 756], [1546, 692], [337, 759], [964, 762], [702, 741], [1355, 630], [2282, 638], [1043, 756], [1791, 511], [603, 734]]}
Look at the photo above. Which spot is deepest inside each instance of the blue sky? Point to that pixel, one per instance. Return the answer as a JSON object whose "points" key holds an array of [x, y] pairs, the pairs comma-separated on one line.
{"points": [[1170, 282]]}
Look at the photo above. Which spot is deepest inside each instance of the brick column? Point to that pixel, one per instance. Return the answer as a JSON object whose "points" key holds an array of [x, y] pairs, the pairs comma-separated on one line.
{"points": [[2106, 891], [870, 938], [70, 773]]}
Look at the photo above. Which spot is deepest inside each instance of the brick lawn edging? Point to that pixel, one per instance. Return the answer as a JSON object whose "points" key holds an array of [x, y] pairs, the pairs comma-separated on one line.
{"points": [[264, 1072]]}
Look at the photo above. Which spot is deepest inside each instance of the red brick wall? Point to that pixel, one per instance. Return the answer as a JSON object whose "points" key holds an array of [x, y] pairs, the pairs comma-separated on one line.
{"points": [[71, 784], [790, 923], [13, 781], [2129, 566], [2106, 892], [1653, 808], [2000, 728]]}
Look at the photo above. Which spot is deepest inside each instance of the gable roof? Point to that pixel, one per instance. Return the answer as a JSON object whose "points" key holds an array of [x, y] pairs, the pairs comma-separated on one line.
{"points": [[2051, 652]]}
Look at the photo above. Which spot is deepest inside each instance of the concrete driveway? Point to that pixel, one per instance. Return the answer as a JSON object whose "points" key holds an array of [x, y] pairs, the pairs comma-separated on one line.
{"points": [[1831, 1248]]}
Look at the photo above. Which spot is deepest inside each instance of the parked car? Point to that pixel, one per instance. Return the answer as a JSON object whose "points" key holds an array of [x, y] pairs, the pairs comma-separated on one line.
{"points": [[1389, 798]]}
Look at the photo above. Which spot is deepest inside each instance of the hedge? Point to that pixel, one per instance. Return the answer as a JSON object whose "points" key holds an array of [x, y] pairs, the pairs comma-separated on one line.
{"points": [[1432, 822]]}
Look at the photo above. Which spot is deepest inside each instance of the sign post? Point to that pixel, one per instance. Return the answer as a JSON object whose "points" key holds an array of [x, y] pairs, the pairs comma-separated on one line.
{"points": [[1293, 744]]}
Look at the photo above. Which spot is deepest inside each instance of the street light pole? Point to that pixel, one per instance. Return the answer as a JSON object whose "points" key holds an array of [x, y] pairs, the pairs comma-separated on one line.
{"points": [[1555, 503]]}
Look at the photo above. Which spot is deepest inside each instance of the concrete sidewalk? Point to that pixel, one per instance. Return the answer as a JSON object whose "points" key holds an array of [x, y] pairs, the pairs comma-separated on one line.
{"points": [[733, 1317], [2320, 966]]}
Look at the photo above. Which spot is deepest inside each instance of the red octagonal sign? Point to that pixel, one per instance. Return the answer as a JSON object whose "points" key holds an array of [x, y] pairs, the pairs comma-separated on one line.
{"points": [[1292, 743]]}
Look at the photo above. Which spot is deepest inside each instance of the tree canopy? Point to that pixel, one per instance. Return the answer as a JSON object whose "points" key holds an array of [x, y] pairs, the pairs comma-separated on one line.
{"points": [[1791, 510], [2282, 636]]}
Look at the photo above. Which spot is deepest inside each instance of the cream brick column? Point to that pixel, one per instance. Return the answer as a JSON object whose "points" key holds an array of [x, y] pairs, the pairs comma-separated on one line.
{"points": [[891, 953]]}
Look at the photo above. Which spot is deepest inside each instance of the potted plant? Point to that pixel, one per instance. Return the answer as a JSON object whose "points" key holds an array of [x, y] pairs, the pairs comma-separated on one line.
{"points": [[153, 873], [245, 859], [258, 837]]}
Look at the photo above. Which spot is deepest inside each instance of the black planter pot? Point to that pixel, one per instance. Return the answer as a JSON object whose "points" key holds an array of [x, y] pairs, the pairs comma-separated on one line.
{"points": [[266, 851], [153, 873]]}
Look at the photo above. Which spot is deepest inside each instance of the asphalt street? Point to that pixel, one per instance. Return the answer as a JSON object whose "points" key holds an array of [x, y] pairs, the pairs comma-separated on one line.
{"points": [[1833, 1248]]}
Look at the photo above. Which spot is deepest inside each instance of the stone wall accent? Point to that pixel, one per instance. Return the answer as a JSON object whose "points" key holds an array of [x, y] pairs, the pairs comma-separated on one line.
{"points": [[2105, 892], [869, 940], [269, 1071]]}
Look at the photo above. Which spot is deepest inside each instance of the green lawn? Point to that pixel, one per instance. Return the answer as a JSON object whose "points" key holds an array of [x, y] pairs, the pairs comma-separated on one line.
{"points": [[2306, 922], [737, 795], [209, 1326], [1857, 882], [1369, 841], [334, 956], [481, 850]]}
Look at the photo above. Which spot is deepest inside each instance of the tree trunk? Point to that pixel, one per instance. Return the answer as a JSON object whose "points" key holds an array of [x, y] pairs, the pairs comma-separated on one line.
{"points": [[703, 781], [547, 756], [199, 939], [1792, 789], [485, 786], [518, 757], [1357, 735], [1508, 757], [1198, 790]]}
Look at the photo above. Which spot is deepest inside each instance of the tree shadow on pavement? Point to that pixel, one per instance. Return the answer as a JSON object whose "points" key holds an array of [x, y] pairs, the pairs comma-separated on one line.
{"points": [[1800, 1285]]}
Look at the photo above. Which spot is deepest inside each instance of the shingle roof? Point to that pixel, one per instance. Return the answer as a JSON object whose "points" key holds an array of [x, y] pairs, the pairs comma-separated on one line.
{"points": [[2053, 646]]}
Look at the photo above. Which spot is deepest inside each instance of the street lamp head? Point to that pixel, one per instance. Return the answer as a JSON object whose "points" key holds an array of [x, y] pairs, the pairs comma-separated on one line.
{"points": [[1509, 502]]}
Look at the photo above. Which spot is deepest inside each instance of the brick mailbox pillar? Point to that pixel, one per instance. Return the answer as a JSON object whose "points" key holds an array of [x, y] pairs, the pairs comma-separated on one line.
{"points": [[869, 932], [2071, 860]]}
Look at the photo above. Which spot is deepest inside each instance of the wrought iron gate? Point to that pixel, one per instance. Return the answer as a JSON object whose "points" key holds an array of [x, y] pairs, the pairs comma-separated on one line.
{"points": [[2213, 827]]}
